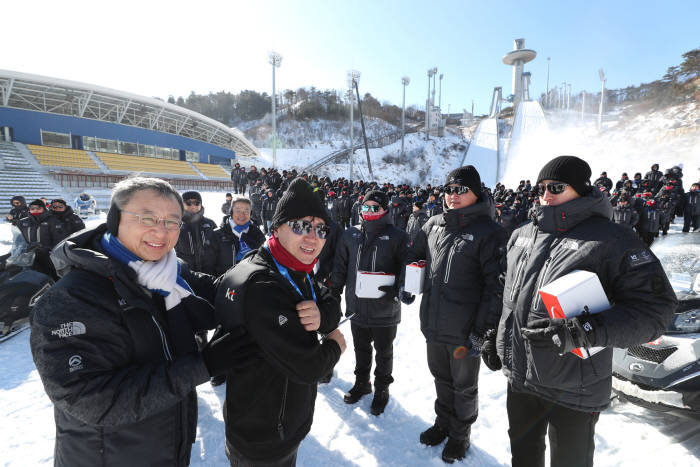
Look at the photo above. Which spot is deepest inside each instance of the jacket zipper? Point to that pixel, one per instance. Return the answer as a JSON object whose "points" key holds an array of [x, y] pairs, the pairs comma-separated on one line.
{"points": [[280, 427], [189, 235], [540, 283], [357, 261], [516, 279], [163, 340], [374, 258], [449, 265]]}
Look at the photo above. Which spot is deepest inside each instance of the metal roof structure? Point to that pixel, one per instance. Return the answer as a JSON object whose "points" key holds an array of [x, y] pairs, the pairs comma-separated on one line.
{"points": [[58, 96]]}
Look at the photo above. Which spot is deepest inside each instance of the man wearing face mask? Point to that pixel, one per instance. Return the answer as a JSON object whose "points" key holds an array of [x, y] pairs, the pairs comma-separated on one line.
{"points": [[461, 303], [67, 222], [197, 244], [551, 390], [376, 245], [40, 232]]}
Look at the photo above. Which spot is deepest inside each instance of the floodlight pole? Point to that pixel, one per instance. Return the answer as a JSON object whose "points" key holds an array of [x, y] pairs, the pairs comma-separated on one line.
{"points": [[547, 95], [404, 81], [601, 73], [352, 75], [275, 60], [364, 133]]}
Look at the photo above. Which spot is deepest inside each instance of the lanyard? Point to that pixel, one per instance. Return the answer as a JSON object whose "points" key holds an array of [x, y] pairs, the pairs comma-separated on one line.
{"points": [[285, 274]]}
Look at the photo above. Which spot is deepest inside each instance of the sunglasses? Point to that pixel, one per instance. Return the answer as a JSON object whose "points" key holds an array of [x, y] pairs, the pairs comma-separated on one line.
{"points": [[191, 202], [370, 208], [460, 190], [57, 206], [148, 220], [555, 188], [301, 227]]}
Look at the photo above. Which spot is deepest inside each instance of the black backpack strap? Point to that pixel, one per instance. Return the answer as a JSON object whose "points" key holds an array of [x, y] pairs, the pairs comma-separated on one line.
{"points": [[230, 293]]}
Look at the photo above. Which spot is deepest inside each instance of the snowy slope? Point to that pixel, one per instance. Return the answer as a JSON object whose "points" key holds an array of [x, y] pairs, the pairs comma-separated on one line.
{"points": [[345, 435]]}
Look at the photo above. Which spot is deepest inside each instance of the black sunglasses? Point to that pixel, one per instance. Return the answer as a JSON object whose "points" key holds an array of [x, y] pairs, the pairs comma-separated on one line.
{"points": [[370, 208], [460, 190], [555, 188], [192, 202], [301, 227]]}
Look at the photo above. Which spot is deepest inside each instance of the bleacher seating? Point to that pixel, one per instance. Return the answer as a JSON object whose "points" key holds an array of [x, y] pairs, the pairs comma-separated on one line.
{"points": [[211, 170], [145, 164], [62, 157]]}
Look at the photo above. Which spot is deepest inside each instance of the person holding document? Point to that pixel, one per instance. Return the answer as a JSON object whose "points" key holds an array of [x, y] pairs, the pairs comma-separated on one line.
{"points": [[550, 388], [375, 245]]}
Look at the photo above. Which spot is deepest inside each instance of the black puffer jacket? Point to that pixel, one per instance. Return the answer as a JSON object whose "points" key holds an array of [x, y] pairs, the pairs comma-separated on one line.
{"points": [[625, 215], [198, 244], [578, 235], [120, 370], [464, 251], [67, 223], [19, 212], [269, 408], [416, 221], [229, 244], [373, 246]]}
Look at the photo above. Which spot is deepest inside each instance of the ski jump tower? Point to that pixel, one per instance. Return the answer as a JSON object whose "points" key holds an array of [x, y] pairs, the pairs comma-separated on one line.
{"points": [[517, 58]]}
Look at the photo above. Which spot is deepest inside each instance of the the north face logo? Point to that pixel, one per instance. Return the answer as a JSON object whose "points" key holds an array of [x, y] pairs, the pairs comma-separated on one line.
{"points": [[282, 320]]}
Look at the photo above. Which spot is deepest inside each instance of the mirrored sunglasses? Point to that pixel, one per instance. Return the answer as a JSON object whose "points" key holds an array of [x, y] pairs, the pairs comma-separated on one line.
{"points": [[460, 190], [370, 208], [301, 227], [555, 188]]}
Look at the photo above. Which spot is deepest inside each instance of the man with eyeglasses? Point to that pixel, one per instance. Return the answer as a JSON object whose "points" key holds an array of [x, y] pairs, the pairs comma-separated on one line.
{"points": [[19, 210], [272, 293], [67, 222], [113, 340], [461, 304], [549, 388], [375, 245], [237, 236]]}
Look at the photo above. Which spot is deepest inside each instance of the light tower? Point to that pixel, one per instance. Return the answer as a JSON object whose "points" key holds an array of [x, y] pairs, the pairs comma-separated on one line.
{"points": [[275, 60], [517, 58], [404, 81], [428, 105], [352, 76]]}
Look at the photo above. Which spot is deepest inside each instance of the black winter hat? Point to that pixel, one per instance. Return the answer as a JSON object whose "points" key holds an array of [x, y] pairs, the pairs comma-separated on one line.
{"points": [[418, 204], [465, 176], [299, 201], [38, 202], [568, 169], [377, 196], [191, 195]]}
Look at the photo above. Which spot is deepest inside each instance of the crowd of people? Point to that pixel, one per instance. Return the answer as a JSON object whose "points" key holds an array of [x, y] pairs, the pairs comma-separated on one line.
{"points": [[268, 279]]}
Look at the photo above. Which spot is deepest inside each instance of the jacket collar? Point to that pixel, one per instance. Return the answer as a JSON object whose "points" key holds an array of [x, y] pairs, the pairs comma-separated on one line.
{"points": [[565, 217], [457, 218]]}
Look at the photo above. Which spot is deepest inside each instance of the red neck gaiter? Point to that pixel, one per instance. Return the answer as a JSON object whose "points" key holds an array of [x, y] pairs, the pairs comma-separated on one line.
{"points": [[286, 259]]}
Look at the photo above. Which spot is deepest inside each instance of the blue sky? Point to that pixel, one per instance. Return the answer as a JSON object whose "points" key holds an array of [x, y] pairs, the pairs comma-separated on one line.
{"points": [[157, 48]]}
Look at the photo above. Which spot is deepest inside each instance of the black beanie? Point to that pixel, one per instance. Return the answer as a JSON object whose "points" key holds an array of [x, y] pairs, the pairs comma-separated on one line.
{"points": [[418, 204], [465, 176], [378, 196], [568, 169], [38, 202], [299, 201], [192, 195]]}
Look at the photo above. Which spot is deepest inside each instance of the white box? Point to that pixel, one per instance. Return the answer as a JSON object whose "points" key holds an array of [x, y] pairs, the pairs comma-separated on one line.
{"points": [[368, 283], [567, 296], [415, 274]]}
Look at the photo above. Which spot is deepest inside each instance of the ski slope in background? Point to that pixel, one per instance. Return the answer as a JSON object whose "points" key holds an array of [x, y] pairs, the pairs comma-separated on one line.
{"points": [[344, 435]]}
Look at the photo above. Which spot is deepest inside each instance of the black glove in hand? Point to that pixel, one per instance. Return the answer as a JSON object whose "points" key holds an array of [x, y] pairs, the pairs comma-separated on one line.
{"points": [[407, 298], [392, 293], [476, 342], [488, 351], [228, 351], [564, 334]]}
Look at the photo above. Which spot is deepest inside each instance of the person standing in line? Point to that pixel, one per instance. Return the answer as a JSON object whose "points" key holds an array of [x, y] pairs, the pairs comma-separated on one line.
{"points": [[237, 236], [376, 245], [461, 303], [691, 208], [67, 222], [551, 390]]}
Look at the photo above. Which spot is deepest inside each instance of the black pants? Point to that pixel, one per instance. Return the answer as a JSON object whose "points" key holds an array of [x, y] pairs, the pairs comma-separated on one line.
{"points": [[383, 338], [689, 220], [239, 460], [456, 384], [571, 432]]}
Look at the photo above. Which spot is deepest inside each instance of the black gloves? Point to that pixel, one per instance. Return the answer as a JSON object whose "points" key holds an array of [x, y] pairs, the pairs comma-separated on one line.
{"points": [[407, 298], [228, 351], [564, 334], [476, 342], [392, 293], [488, 351]]}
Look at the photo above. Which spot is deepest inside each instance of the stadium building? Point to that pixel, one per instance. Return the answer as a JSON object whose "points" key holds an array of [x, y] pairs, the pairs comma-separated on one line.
{"points": [[59, 138]]}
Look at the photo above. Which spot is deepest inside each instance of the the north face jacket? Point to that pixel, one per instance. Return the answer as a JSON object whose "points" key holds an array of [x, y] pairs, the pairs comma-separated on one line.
{"points": [[578, 235]]}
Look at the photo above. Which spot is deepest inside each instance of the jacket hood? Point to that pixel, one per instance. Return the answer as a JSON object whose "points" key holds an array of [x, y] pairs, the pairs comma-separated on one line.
{"points": [[20, 199], [566, 216], [459, 217]]}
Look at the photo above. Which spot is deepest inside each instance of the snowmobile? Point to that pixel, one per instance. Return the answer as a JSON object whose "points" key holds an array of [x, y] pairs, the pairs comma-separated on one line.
{"points": [[20, 288], [85, 205]]}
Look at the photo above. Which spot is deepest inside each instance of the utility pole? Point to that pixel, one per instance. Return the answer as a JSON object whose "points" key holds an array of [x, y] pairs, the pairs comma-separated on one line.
{"points": [[275, 60], [352, 76], [404, 81]]}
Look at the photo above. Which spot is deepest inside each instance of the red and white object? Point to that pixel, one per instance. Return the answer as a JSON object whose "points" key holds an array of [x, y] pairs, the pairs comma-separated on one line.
{"points": [[368, 283], [567, 296], [415, 274]]}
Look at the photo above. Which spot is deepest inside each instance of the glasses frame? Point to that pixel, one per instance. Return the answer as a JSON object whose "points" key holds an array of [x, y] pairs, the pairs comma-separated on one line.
{"points": [[554, 188], [158, 219], [460, 190], [370, 208], [321, 230]]}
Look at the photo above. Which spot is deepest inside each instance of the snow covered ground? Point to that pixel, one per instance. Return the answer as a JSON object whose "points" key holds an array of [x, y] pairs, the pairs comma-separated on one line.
{"points": [[345, 435]]}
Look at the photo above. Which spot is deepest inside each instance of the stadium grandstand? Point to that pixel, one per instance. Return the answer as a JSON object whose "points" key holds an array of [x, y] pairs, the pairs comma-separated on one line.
{"points": [[59, 138]]}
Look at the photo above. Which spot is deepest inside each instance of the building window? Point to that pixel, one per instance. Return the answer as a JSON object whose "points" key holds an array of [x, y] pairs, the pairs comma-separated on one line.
{"points": [[191, 156], [59, 140]]}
